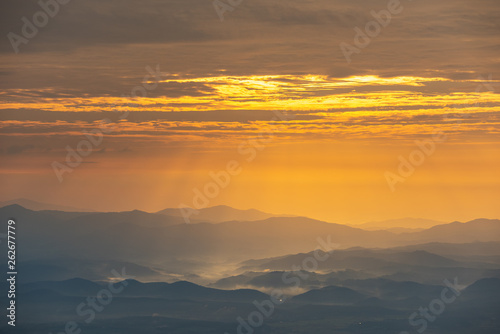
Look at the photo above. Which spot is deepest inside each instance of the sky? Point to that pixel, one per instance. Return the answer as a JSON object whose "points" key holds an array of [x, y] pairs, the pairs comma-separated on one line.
{"points": [[160, 96]]}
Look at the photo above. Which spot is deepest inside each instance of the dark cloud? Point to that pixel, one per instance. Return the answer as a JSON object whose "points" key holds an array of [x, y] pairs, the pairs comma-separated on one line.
{"points": [[16, 149], [267, 35], [125, 150], [93, 22], [98, 48], [242, 116]]}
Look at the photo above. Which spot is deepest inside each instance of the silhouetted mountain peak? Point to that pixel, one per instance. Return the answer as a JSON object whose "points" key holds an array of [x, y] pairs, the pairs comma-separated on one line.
{"points": [[39, 206], [77, 280], [220, 213], [15, 207], [184, 284], [487, 285], [331, 295]]}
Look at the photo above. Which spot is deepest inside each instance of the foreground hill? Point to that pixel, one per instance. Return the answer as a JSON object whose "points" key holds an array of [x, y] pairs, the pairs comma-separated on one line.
{"points": [[365, 306]]}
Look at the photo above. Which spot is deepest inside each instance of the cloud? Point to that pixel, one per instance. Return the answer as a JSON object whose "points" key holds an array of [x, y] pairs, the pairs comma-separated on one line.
{"points": [[92, 22], [226, 77], [16, 149], [450, 38]]}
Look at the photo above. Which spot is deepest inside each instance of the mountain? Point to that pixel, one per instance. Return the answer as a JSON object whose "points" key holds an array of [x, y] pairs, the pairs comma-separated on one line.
{"points": [[61, 269], [399, 230], [136, 217], [483, 289], [422, 258], [235, 281], [39, 206], [413, 263], [139, 236], [453, 249], [71, 287], [187, 290], [386, 289], [156, 239], [274, 279], [330, 295], [401, 223], [221, 213], [488, 252], [173, 291], [356, 258], [478, 230]]}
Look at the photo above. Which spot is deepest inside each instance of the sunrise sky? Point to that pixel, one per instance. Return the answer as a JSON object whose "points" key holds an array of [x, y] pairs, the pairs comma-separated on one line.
{"points": [[434, 68]]}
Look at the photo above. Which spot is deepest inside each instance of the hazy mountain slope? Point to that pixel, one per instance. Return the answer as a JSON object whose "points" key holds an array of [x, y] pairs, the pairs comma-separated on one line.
{"points": [[485, 252], [478, 230], [393, 263], [398, 230], [136, 217], [63, 269], [409, 223], [330, 295], [133, 288], [135, 236], [356, 259], [392, 290], [142, 237], [453, 249], [274, 279], [486, 289], [221, 213], [84, 220], [39, 206]]}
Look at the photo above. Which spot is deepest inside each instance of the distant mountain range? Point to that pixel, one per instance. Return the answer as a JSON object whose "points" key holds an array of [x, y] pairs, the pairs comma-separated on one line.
{"points": [[142, 236], [400, 225], [134, 288], [38, 206], [201, 277], [330, 295], [215, 214], [222, 213]]}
